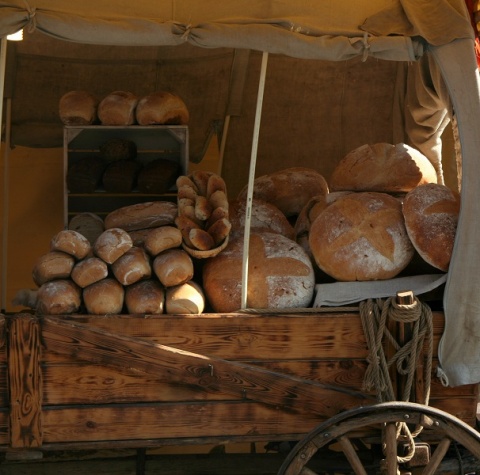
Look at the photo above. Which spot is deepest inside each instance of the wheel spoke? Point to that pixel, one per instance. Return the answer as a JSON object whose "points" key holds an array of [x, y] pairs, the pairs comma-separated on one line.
{"points": [[391, 448], [437, 457], [351, 454]]}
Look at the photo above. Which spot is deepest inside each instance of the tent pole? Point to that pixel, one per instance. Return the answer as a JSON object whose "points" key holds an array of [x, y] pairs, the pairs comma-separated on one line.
{"points": [[3, 57], [251, 178]]}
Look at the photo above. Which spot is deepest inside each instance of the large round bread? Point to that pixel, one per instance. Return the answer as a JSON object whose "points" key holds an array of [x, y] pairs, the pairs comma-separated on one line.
{"points": [[52, 266], [431, 217], [104, 297], [280, 274], [162, 238], [71, 242], [382, 167], [142, 216], [288, 189], [58, 297], [132, 266], [146, 297], [88, 224], [118, 108], [173, 267], [162, 108], [88, 271], [78, 108], [361, 236], [112, 244]]}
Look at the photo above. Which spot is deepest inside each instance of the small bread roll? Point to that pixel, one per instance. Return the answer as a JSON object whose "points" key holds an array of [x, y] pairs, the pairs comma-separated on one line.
{"points": [[58, 297], [201, 239], [162, 108], [173, 267], [112, 244], [200, 178], [132, 266], [78, 108], [218, 199], [185, 225], [184, 180], [89, 271], [187, 191], [71, 242], [162, 238], [146, 297], [215, 183], [203, 208], [220, 230], [118, 108], [217, 213], [52, 266], [186, 298], [104, 297]]}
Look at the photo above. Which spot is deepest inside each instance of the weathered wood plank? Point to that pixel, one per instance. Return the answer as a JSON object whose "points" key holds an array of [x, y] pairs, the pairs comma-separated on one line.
{"points": [[25, 382], [207, 373]]}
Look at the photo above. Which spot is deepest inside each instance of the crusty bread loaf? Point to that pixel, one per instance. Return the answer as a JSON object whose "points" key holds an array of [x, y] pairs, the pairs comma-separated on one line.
{"points": [[361, 236], [104, 297], [162, 108], [118, 149], [173, 267], [142, 216], [88, 271], [112, 244], [52, 266], [158, 176], [185, 298], [85, 175], [71, 242], [280, 274], [58, 297], [162, 238], [132, 266], [288, 189], [145, 297], [431, 217], [78, 108], [120, 176], [382, 167], [88, 224], [118, 108]]}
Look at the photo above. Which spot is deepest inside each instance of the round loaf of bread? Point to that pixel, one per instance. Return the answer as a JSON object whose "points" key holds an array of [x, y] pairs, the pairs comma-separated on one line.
{"points": [[104, 297], [145, 297], [120, 176], [158, 176], [173, 267], [361, 236], [88, 271], [132, 266], [118, 108], [186, 298], [382, 167], [289, 189], [142, 216], [265, 216], [431, 217], [52, 266], [71, 242], [280, 274], [112, 244], [118, 149], [78, 108], [162, 238], [88, 224], [58, 297], [162, 108]]}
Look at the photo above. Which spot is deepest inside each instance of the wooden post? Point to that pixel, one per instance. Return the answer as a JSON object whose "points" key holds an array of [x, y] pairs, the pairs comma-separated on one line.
{"points": [[25, 382]]}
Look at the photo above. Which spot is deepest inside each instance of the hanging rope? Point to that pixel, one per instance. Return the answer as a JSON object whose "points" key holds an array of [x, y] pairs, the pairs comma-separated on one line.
{"points": [[375, 316]]}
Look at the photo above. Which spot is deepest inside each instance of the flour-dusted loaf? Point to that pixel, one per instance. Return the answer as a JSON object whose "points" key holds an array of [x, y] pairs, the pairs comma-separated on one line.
{"points": [[78, 108], [132, 266], [288, 189], [112, 244], [105, 297], [118, 108], [146, 297], [361, 236], [88, 271], [185, 298], [142, 216], [52, 266], [71, 242], [58, 297], [280, 274], [162, 238], [173, 267], [431, 217], [162, 108], [382, 167], [89, 224]]}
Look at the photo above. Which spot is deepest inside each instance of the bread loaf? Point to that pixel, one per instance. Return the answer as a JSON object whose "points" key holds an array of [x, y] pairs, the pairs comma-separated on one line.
{"points": [[162, 238], [58, 297], [78, 108], [88, 271], [173, 267], [280, 274], [118, 108], [53, 265], [158, 176], [121, 176], [118, 149], [88, 224], [71, 242], [142, 216], [162, 108], [145, 297], [382, 167], [85, 175], [361, 236], [186, 298], [112, 244], [431, 217], [288, 189], [104, 297], [132, 266]]}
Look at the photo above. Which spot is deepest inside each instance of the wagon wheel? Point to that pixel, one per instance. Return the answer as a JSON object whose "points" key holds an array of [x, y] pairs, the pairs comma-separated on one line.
{"points": [[364, 441]]}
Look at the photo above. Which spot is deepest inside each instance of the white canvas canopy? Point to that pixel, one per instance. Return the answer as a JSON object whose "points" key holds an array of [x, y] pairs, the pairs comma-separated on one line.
{"points": [[424, 48]]}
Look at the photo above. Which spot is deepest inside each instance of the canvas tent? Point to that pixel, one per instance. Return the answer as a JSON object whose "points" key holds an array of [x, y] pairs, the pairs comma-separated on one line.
{"points": [[315, 47]]}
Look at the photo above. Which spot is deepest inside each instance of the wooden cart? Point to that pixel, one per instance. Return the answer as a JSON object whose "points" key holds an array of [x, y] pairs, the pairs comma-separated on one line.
{"points": [[82, 382]]}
